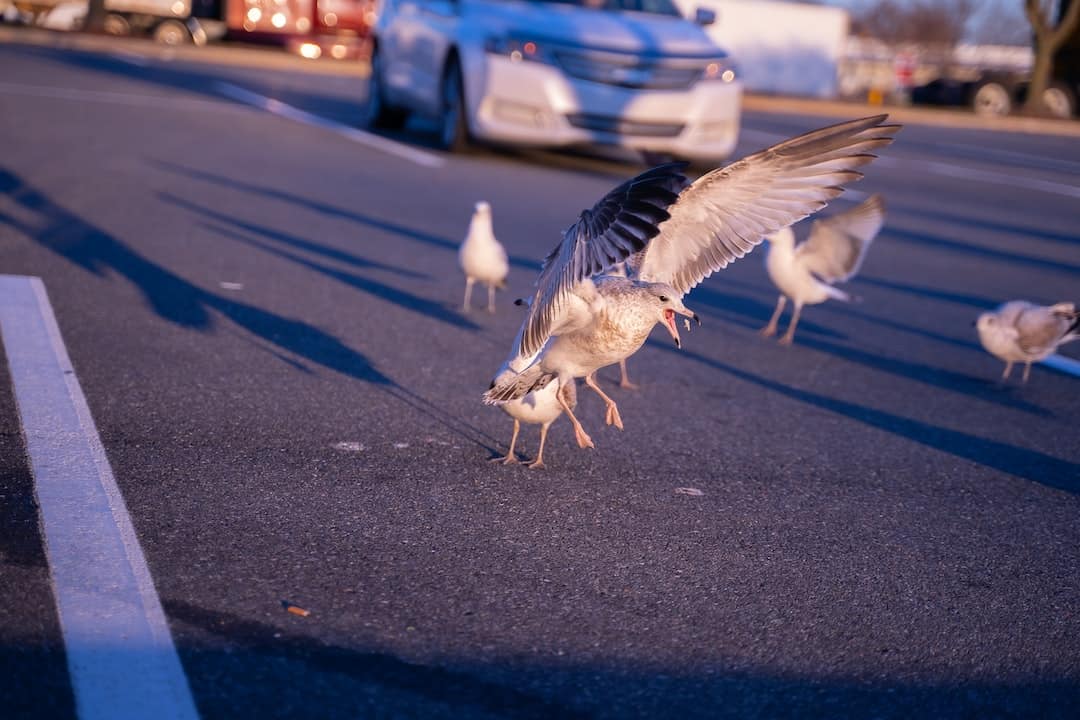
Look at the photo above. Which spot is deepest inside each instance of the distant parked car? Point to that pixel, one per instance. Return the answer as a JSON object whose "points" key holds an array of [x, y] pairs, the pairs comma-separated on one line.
{"points": [[633, 73], [167, 21], [994, 94]]}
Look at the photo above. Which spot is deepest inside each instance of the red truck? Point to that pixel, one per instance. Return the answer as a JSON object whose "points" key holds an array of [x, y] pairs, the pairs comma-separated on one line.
{"points": [[313, 28]]}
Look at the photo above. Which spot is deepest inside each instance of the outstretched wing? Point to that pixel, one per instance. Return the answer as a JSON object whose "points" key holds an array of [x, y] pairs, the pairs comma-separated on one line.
{"points": [[727, 212], [837, 244], [621, 224]]}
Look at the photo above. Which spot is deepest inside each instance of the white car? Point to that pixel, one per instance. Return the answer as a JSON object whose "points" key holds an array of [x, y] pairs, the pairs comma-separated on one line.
{"points": [[553, 73]]}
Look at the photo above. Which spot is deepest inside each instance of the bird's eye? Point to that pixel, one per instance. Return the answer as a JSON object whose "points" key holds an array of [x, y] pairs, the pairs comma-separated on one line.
{"points": [[663, 298]]}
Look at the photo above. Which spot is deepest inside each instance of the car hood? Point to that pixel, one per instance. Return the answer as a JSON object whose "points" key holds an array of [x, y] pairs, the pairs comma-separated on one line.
{"points": [[641, 33]]}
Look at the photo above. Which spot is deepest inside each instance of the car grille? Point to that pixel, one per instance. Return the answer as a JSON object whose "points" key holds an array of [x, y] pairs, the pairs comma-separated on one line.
{"points": [[620, 126], [629, 71]]}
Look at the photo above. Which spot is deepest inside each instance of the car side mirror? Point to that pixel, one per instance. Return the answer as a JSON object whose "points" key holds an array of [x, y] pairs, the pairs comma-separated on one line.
{"points": [[704, 16]]}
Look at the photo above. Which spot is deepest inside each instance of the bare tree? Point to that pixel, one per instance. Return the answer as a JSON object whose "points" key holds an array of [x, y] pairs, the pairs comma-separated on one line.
{"points": [[936, 26], [1048, 39]]}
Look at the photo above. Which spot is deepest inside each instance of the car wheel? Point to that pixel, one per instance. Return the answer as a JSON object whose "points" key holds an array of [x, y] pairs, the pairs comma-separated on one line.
{"points": [[992, 99], [172, 32], [1059, 101], [379, 114], [454, 129], [116, 25]]}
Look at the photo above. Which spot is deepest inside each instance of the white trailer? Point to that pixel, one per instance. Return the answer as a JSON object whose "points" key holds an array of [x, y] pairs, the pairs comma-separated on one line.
{"points": [[780, 48]]}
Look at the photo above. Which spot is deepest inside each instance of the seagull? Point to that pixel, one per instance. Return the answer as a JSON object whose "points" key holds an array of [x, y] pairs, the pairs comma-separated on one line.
{"points": [[540, 407], [833, 253], [672, 234], [482, 257], [1020, 331]]}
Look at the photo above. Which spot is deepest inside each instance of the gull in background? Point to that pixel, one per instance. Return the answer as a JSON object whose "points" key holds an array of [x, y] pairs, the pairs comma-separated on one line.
{"points": [[482, 257], [833, 253], [540, 407], [673, 235], [1020, 331]]}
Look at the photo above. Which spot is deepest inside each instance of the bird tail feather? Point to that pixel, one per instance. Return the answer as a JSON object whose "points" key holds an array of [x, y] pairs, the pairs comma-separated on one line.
{"points": [[838, 294], [1068, 311], [1073, 333], [510, 385]]}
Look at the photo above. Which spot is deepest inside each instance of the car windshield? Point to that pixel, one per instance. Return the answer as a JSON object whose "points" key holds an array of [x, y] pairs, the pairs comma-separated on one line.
{"points": [[656, 7]]}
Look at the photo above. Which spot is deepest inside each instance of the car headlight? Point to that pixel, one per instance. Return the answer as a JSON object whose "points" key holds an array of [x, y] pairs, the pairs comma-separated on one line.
{"points": [[721, 69], [517, 49]]}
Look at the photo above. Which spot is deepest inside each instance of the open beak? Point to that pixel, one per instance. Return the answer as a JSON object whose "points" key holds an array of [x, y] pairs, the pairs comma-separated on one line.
{"points": [[672, 328]]}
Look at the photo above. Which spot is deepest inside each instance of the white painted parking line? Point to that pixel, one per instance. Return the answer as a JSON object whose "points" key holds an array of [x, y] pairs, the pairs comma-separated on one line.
{"points": [[120, 654], [1063, 364], [375, 142]]}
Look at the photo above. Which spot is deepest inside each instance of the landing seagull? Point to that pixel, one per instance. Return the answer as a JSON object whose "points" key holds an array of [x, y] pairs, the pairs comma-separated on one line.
{"points": [[833, 253], [1020, 331], [673, 235], [482, 257]]}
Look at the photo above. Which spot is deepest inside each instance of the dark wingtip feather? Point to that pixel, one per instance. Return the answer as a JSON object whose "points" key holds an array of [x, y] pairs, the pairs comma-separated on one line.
{"points": [[1075, 326]]}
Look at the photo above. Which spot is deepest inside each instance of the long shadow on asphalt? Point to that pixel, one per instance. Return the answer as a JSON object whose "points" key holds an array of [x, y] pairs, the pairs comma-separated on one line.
{"points": [[760, 313], [315, 248], [976, 301], [926, 374], [970, 220], [173, 298], [428, 684], [401, 298], [178, 301], [747, 312], [938, 242], [1028, 464], [332, 211], [287, 674]]}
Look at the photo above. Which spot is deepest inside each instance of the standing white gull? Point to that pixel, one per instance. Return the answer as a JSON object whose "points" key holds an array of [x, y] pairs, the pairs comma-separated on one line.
{"points": [[482, 257], [834, 252], [1020, 331], [673, 236]]}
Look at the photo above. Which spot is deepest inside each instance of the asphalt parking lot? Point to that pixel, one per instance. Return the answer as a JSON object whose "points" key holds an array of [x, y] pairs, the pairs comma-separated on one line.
{"points": [[264, 317]]}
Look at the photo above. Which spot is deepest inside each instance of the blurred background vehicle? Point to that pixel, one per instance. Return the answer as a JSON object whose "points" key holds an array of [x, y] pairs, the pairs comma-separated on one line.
{"points": [[313, 28], [166, 21], [1002, 93], [632, 73], [783, 48], [990, 93]]}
